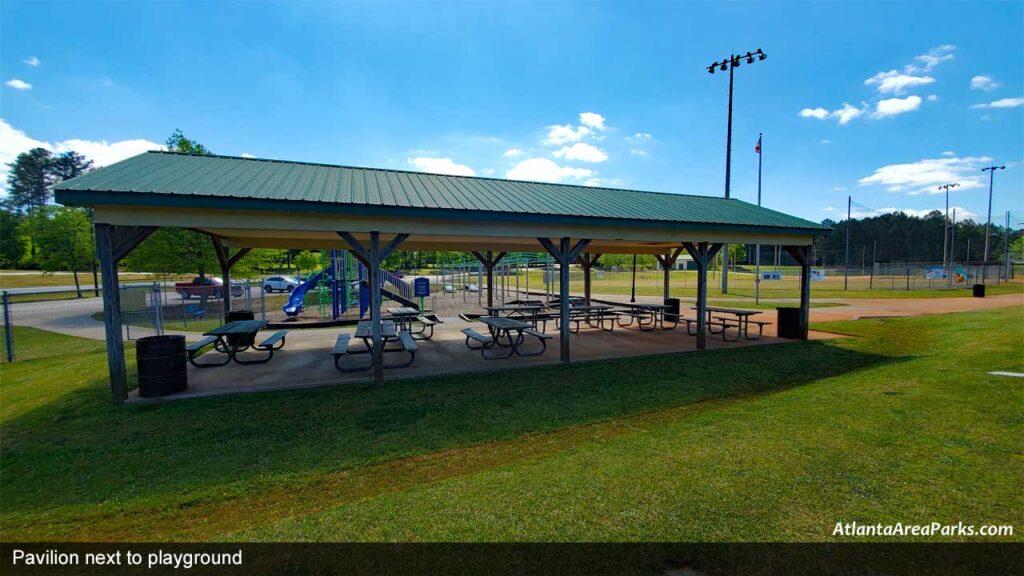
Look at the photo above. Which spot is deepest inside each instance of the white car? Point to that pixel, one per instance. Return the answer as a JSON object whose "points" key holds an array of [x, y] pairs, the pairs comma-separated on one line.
{"points": [[280, 284]]}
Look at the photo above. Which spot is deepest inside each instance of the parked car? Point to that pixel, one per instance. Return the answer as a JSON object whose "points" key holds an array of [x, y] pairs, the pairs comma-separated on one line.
{"points": [[281, 284], [209, 286]]}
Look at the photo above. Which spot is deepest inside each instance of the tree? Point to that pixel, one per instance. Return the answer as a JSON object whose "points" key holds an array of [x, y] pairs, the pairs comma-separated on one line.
{"points": [[171, 251], [177, 142], [306, 260], [69, 165], [65, 241], [12, 244], [29, 180]]}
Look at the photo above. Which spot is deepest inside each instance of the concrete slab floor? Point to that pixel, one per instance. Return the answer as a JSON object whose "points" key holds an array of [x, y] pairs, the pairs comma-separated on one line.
{"points": [[306, 362]]}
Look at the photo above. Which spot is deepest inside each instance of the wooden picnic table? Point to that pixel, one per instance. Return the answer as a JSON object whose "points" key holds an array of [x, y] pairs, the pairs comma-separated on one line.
{"points": [[742, 321], [403, 316], [504, 327], [234, 337], [647, 316]]}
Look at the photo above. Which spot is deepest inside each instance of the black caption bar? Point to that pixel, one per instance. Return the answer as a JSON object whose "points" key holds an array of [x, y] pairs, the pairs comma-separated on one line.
{"points": [[512, 559]]}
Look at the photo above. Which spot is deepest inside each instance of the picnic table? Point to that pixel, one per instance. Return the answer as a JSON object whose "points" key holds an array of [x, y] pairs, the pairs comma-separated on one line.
{"points": [[595, 315], [235, 337], [741, 322], [646, 316], [404, 316], [389, 333], [503, 327]]}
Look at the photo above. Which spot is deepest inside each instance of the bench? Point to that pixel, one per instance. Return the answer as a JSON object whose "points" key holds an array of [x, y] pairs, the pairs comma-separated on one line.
{"points": [[726, 323], [634, 315], [341, 350], [195, 311], [269, 343], [410, 346], [194, 348], [426, 326], [542, 337], [472, 335]]}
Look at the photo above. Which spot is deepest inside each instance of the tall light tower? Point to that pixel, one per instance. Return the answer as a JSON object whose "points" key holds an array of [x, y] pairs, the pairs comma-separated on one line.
{"points": [[730, 64], [945, 229], [988, 222]]}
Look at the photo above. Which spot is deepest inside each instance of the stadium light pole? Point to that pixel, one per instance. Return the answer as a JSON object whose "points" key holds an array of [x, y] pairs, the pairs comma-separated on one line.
{"points": [[945, 229], [988, 222], [730, 64]]}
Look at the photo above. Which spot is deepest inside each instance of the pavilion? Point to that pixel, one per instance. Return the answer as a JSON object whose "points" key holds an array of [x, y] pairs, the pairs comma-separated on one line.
{"points": [[245, 203]]}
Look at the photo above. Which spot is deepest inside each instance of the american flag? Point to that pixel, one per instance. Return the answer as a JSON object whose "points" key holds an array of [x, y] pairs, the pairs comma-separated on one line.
{"points": [[757, 147]]}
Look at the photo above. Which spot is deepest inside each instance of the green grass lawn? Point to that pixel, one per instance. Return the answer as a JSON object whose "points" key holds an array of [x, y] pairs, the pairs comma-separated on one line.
{"points": [[898, 423]]}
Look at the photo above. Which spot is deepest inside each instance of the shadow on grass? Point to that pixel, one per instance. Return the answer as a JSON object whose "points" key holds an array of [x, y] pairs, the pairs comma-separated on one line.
{"points": [[79, 450]]}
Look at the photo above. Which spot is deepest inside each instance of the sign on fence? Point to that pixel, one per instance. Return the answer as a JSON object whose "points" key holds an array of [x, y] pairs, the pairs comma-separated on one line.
{"points": [[774, 275], [817, 275], [935, 273], [421, 287]]}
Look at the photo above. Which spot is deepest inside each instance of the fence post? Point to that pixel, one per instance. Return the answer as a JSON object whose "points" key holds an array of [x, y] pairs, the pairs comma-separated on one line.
{"points": [[158, 309], [8, 333], [263, 305]]}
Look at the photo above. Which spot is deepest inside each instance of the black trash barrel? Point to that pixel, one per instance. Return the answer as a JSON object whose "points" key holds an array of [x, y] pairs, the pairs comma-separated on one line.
{"points": [[672, 312], [162, 365], [789, 323], [234, 315], [979, 290]]}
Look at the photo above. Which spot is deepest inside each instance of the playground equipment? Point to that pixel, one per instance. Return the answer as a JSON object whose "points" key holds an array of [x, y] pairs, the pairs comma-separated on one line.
{"points": [[332, 287]]}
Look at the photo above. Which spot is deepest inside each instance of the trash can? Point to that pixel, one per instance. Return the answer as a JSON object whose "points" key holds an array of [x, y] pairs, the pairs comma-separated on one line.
{"points": [[162, 365], [234, 315], [672, 312], [789, 323], [979, 290]]}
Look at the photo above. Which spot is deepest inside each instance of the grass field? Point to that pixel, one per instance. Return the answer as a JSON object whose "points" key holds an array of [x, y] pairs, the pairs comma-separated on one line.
{"points": [[899, 422], [31, 279]]}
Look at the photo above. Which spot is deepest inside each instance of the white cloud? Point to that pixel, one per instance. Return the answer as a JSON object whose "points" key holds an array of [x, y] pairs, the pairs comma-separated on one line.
{"points": [[593, 120], [961, 212], [894, 106], [924, 176], [559, 135], [949, 153], [933, 57], [1002, 103], [847, 113], [18, 84], [819, 113], [828, 209], [639, 136], [488, 171], [638, 152], [582, 152], [31, 61], [837, 189], [826, 141], [896, 82], [592, 182], [102, 153], [512, 152], [441, 166], [544, 170], [933, 97], [247, 155], [984, 83]]}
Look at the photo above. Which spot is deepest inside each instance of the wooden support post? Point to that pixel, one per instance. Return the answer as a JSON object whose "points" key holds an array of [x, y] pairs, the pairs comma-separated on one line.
{"points": [[112, 244], [226, 261], [667, 261], [702, 254], [564, 254], [802, 255], [371, 257], [587, 262], [489, 262]]}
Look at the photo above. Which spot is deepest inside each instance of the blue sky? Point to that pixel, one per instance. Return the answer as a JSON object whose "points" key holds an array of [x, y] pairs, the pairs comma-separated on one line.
{"points": [[883, 101]]}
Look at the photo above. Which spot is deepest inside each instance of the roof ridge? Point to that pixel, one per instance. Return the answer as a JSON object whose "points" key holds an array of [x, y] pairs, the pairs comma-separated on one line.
{"points": [[492, 179]]}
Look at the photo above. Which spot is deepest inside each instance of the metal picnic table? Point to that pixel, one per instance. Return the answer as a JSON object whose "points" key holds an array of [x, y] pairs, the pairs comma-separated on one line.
{"points": [[742, 321], [502, 326], [404, 316], [590, 314]]}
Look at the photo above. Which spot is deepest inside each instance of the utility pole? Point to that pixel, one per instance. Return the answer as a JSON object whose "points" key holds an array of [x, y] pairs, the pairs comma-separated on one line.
{"points": [[730, 64], [952, 240], [846, 265], [988, 221], [945, 229]]}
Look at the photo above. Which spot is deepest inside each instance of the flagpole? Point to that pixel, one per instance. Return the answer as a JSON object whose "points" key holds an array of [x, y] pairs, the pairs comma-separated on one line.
{"points": [[757, 249]]}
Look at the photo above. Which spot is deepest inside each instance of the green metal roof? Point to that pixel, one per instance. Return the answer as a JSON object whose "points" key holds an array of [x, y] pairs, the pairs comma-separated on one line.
{"points": [[166, 179]]}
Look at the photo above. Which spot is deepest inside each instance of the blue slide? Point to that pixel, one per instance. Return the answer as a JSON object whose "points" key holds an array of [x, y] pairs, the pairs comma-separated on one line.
{"points": [[294, 304]]}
